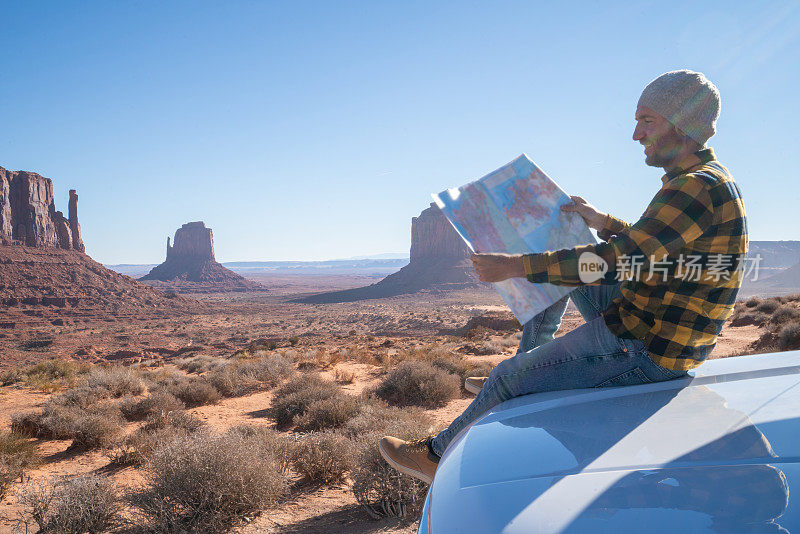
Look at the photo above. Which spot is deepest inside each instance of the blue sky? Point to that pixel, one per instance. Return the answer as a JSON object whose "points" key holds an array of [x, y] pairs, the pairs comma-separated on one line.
{"points": [[316, 130]]}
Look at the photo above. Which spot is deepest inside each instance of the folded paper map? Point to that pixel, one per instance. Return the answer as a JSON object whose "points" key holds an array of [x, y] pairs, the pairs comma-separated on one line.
{"points": [[515, 210]]}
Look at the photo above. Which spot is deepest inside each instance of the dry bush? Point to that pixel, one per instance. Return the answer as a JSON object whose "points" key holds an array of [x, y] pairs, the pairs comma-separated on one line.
{"points": [[117, 380], [785, 314], [768, 306], [80, 397], [377, 418], [243, 377], [53, 422], [745, 316], [279, 443], [158, 402], [418, 383], [332, 412], [137, 447], [82, 504], [11, 376], [344, 377], [200, 363], [51, 375], [195, 392], [177, 419], [323, 458], [17, 452], [380, 489], [97, 426], [752, 302], [207, 483], [294, 397], [460, 366], [98, 429], [789, 336]]}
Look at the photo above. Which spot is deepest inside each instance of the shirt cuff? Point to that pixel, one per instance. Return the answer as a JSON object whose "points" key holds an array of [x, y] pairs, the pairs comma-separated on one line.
{"points": [[612, 226]]}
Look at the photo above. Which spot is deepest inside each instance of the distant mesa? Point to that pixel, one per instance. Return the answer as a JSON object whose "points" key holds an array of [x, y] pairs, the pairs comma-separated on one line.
{"points": [[439, 260], [43, 262], [190, 266]]}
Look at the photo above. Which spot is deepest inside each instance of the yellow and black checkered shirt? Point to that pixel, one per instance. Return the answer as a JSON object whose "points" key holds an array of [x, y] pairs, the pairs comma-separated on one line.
{"points": [[681, 264]]}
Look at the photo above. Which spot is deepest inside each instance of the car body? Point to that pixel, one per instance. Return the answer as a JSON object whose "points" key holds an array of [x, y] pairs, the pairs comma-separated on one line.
{"points": [[717, 451]]}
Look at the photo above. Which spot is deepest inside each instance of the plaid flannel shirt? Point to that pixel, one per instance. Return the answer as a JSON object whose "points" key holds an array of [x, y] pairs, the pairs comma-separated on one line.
{"points": [[695, 225]]}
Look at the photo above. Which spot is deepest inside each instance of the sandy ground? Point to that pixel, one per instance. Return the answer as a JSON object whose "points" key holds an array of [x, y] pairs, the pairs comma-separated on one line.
{"points": [[234, 321]]}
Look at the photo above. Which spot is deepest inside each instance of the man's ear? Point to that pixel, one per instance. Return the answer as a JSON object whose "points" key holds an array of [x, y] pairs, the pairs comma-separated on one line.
{"points": [[688, 140]]}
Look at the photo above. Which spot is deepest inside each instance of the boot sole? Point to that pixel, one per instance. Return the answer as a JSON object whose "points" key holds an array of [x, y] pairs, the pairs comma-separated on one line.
{"points": [[471, 388], [403, 469]]}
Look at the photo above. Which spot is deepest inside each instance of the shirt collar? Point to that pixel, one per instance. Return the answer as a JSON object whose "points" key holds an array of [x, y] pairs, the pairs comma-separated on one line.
{"points": [[693, 160]]}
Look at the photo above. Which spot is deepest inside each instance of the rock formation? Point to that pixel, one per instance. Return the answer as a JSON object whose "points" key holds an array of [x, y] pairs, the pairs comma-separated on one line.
{"points": [[191, 267], [44, 271], [28, 215], [439, 260]]}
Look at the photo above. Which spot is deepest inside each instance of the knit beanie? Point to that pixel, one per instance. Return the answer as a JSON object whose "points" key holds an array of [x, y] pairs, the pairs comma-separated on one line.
{"points": [[687, 99]]}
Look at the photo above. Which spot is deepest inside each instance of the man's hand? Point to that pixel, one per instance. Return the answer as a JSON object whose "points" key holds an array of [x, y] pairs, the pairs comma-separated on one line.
{"points": [[498, 267], [594, 219]]}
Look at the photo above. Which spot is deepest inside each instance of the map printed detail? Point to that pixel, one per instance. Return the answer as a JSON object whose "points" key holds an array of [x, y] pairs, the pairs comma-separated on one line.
{"points": [[515, 210]]}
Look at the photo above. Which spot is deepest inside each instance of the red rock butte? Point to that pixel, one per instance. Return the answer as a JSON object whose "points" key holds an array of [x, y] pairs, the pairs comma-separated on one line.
{"points": [[44, 271], [439, 260], [190, 266]]}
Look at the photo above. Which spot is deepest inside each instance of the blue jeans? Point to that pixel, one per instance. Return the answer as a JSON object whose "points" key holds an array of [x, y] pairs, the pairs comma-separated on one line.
{"points": [[588, 356]]}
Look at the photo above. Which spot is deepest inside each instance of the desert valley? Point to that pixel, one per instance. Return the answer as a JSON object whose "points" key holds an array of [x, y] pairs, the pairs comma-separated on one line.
{"points": [[201, 399]]}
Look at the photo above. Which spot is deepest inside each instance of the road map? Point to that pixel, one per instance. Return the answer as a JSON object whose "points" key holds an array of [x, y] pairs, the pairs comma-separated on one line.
{"points": [[515, 210]]}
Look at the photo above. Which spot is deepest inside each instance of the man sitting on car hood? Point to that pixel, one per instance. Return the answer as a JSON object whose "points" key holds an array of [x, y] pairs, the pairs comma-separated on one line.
{"points": [[665, 285]]}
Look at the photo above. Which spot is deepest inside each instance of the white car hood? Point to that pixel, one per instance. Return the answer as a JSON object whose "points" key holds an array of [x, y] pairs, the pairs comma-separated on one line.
{"points": [[714, 452]]}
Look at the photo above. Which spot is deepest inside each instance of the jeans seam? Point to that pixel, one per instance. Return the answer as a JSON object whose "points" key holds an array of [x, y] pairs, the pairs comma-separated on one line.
{"points": [[540, 366]]}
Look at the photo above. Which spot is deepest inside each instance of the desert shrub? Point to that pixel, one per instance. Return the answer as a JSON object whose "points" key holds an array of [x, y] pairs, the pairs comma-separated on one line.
{"points": [[785, 314], [332, 412], [16, 453], [117, 380], [80, 397], [53, 422], [418, 383], [789, 336], [94, 430], [97, 426], [176, 419], [136, 448], [752, 302], [749, 316], [82, 504], [323, 457], [460, 366], [207, 483], [195, 392], [294, 397], [158, 402], [241, 378], [377, 418], [381, 490], [294, 340], [279, 443], [768, 306], [11, 376], [51, 375], [200, 363]]}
